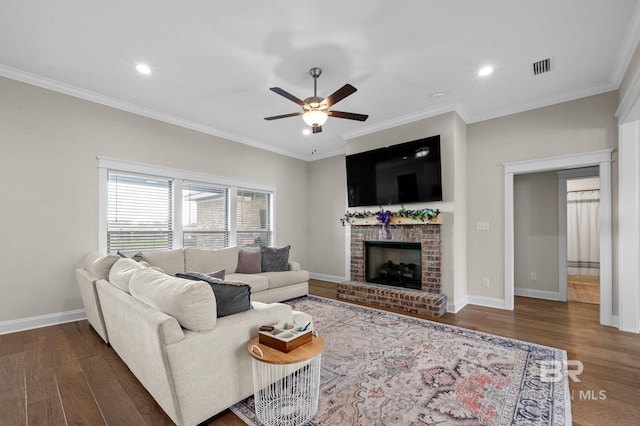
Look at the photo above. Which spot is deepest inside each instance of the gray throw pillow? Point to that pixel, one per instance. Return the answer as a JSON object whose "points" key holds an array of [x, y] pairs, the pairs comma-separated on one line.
{"points": [[249, 262], [275, 259], [230, 298]]}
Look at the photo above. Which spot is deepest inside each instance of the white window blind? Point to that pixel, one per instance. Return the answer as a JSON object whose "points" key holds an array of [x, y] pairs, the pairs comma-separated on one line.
{"points": [[140, 212], [205, 216], [253, 222]]}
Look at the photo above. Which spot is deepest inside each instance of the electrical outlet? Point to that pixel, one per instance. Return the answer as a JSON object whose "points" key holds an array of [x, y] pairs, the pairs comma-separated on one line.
{"points": [[533, 276], [482, 226], [486, 282]]}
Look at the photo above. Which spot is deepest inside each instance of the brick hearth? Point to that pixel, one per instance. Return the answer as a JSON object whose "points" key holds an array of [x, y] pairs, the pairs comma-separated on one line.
{"points": [[428, 301], [415, 301]]}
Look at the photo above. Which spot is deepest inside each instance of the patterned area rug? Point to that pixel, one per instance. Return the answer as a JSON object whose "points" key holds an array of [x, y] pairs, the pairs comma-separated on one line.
{"points": [[380, 368]]}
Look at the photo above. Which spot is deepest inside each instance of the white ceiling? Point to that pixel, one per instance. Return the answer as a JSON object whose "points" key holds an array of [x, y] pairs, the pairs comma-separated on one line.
{"points": [[213, 62]]}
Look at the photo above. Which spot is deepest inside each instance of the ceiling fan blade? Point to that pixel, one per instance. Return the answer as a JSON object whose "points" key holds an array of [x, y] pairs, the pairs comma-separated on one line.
{"points": [[347, 115], [340, 94], [275, 117], [317, 129], [287, 95]]}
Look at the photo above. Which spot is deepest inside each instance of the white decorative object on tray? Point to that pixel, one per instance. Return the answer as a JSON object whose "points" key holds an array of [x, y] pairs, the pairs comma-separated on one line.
{"points": [[285, 336]]}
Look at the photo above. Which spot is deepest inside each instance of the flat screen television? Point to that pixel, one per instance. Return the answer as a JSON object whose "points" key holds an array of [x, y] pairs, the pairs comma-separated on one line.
{"points": [[405, 173]]}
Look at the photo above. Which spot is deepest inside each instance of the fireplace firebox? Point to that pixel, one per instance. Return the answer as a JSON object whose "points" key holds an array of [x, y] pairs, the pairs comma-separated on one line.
{"points": [[396, 264]]}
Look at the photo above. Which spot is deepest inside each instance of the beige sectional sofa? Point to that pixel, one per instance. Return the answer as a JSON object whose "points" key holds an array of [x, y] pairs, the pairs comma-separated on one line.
{"points": [[266, 287], [166, 329]]}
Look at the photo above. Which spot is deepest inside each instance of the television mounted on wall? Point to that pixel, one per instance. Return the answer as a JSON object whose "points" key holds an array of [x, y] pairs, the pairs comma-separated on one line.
{"points": [[409, 172]]}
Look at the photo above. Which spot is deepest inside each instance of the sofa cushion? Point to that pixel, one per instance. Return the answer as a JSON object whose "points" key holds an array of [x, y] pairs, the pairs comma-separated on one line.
{"points": [[256, 281], [274, 259], [230, 298], [249, 262], [205, 261], [122, 271], [283, 279], [191, 303], [170, 261], [100, 264]]}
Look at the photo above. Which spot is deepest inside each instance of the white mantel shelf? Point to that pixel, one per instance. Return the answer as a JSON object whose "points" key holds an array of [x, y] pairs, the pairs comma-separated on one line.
{"points": [[395, 221]]}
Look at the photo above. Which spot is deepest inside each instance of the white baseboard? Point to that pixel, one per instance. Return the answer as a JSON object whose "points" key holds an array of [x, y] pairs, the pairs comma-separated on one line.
{"points": [[330, 278], [23, 324], [615, 321], [538, 294], [455, 307], [489, 302]]}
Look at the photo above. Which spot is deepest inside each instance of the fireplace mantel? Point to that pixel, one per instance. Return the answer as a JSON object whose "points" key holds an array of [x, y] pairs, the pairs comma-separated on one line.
{"points": [[371, 220]]}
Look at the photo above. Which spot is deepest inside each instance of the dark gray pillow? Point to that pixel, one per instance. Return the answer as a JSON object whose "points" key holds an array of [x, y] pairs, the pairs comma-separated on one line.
{"points": [[230, 298], [275, 259]]}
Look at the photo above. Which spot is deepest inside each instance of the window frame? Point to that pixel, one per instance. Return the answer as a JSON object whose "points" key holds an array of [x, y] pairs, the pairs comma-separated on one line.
{"points": [[271, 226], [179, 176]]}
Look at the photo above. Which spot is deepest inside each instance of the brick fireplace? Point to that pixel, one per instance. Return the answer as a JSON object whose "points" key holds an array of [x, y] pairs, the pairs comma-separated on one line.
{"points": [[427, 300]]}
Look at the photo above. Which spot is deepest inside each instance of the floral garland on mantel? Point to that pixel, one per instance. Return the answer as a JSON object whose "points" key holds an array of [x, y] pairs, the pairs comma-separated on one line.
{"points": [[384, 216]]}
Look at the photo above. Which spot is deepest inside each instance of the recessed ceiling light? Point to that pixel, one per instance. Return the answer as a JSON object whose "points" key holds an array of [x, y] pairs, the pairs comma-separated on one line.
{"points": [[306, 132], [143, 69], [484, 71]]}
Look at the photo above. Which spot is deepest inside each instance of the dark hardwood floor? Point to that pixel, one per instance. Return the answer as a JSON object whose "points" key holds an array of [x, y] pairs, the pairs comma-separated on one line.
{"points": [[65, 374]]}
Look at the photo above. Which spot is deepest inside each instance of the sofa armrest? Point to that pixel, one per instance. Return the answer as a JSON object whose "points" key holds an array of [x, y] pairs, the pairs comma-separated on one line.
{"points": [[294, 266], [87, 285]]}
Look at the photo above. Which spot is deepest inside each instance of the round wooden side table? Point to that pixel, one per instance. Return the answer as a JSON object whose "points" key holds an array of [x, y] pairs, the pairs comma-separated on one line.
{"points": [[286, 385]]}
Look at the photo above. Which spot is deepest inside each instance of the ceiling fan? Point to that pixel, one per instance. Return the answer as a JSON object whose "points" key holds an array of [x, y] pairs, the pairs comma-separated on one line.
{"points": [[315, 110]]}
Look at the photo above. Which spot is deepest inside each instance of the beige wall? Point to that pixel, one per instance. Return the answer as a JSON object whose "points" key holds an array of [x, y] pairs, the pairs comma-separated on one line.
{"points": [[48, 168], [582, 125], [327, 201], [536, 225]]}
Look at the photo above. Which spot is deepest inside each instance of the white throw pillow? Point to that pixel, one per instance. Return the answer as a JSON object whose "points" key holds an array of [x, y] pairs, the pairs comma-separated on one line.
{"points": [[100, 264], [191, 303], [122, 271]]}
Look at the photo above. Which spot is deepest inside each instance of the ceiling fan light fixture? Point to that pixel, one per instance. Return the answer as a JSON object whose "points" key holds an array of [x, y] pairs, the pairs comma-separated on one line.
{"points": [[315, 117], [485, 71], [143, 69], [315, 110]]}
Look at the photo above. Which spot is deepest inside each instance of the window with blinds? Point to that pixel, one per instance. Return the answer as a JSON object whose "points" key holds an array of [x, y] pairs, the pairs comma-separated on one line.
{"points": [[205, 216], [253, 221], [140, 212], [146, 208]]}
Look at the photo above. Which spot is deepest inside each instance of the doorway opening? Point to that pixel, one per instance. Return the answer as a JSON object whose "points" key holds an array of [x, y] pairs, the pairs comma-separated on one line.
{"points": [[600, 159], [583, 240]]}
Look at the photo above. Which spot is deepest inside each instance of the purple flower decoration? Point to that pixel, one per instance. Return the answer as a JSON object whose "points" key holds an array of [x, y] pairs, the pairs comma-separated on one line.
{"points": [[384, 217]]}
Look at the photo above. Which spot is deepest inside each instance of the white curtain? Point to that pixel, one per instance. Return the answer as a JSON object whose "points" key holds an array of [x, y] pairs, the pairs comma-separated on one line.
{"points": [[583, 238]]}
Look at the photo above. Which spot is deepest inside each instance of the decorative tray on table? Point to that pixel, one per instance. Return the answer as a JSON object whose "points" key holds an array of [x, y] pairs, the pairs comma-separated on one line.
{"points": [[284, 337]]}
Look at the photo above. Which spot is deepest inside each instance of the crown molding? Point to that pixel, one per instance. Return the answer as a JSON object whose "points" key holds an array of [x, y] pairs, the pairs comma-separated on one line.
{"points": [[67, 89], [335, 152], [528, 106], [629, 45], [629, 100], [400, 120]]}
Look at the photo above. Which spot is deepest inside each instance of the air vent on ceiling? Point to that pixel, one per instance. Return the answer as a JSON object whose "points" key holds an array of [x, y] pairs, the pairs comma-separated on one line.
{"points": [[542, 66]]}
